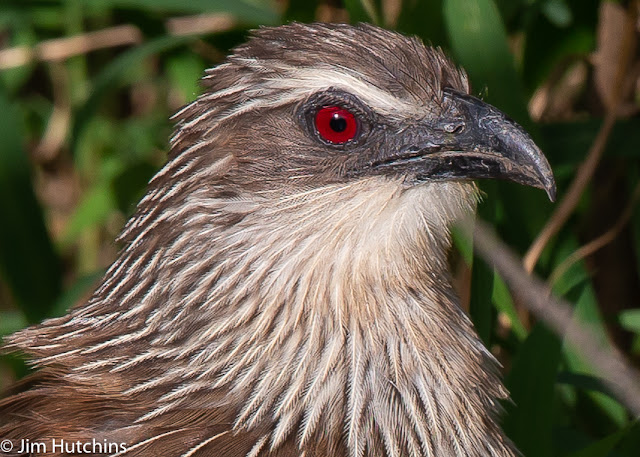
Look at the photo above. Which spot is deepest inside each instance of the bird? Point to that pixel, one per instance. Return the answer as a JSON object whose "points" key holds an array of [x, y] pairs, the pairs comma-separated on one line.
{"points": [[283, 287]]}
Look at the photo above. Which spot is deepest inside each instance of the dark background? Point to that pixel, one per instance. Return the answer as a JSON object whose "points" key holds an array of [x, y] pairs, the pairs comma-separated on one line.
{"points": [[87, 88]]}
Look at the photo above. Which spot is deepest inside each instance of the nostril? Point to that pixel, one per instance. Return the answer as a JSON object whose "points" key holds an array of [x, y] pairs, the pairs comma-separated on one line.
{"points": [[453, 127]]}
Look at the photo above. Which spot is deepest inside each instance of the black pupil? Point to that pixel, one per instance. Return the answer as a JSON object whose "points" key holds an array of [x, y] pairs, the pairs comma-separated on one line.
{"points": [[338, 123]]}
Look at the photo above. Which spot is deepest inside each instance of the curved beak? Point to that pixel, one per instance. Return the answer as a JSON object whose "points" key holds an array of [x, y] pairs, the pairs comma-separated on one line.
{"points": [[472, 140]]}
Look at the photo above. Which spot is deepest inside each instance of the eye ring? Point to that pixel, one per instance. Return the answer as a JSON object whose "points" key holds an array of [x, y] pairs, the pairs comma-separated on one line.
{"points": [[336, 125]]}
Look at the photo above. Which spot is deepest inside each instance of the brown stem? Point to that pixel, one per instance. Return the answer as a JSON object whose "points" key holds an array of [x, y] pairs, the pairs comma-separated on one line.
{"points": [[587, 169], [616, 372], [63, 48]]}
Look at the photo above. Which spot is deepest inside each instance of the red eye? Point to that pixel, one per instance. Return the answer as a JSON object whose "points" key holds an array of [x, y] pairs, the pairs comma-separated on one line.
{"points": [[336, 125]]}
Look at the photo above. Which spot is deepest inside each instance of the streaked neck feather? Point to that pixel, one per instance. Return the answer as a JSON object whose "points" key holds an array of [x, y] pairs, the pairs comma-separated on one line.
{"points": [[325, 316]]}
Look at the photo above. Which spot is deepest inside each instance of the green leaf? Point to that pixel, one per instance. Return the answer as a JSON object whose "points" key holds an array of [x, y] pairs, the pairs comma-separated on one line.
{"points": [[11, 321], [479, 42], [631, 441], [529, 421], [630, 320], [557, 12], [21, 34], [588, 313], [603, 447], [80, 288], [462, 243], [481, 308], [28, 262], [301, 10], [129, 186], [501, 298], [114, 75], [584, 382], [548, 41], [423, 19], [92, 211], [98, 202], [566, 143], [250, 11], [576, 275], [185, 71], [362, 11]]}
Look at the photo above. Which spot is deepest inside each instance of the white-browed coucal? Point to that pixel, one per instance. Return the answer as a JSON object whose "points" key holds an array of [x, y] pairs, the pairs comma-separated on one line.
{"points": [[283, 287]]}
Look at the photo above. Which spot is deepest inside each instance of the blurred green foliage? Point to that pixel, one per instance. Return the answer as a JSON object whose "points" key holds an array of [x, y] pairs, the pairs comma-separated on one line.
{"points": [[80, 136]]}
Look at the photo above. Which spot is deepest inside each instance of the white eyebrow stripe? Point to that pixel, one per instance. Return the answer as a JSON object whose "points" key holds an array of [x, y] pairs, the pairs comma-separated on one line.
{"points": [[300, 83], [318, 78], [291, 84]]}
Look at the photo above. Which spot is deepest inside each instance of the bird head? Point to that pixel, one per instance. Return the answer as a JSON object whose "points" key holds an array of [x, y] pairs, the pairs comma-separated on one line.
{"points": [[303, 106]]}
